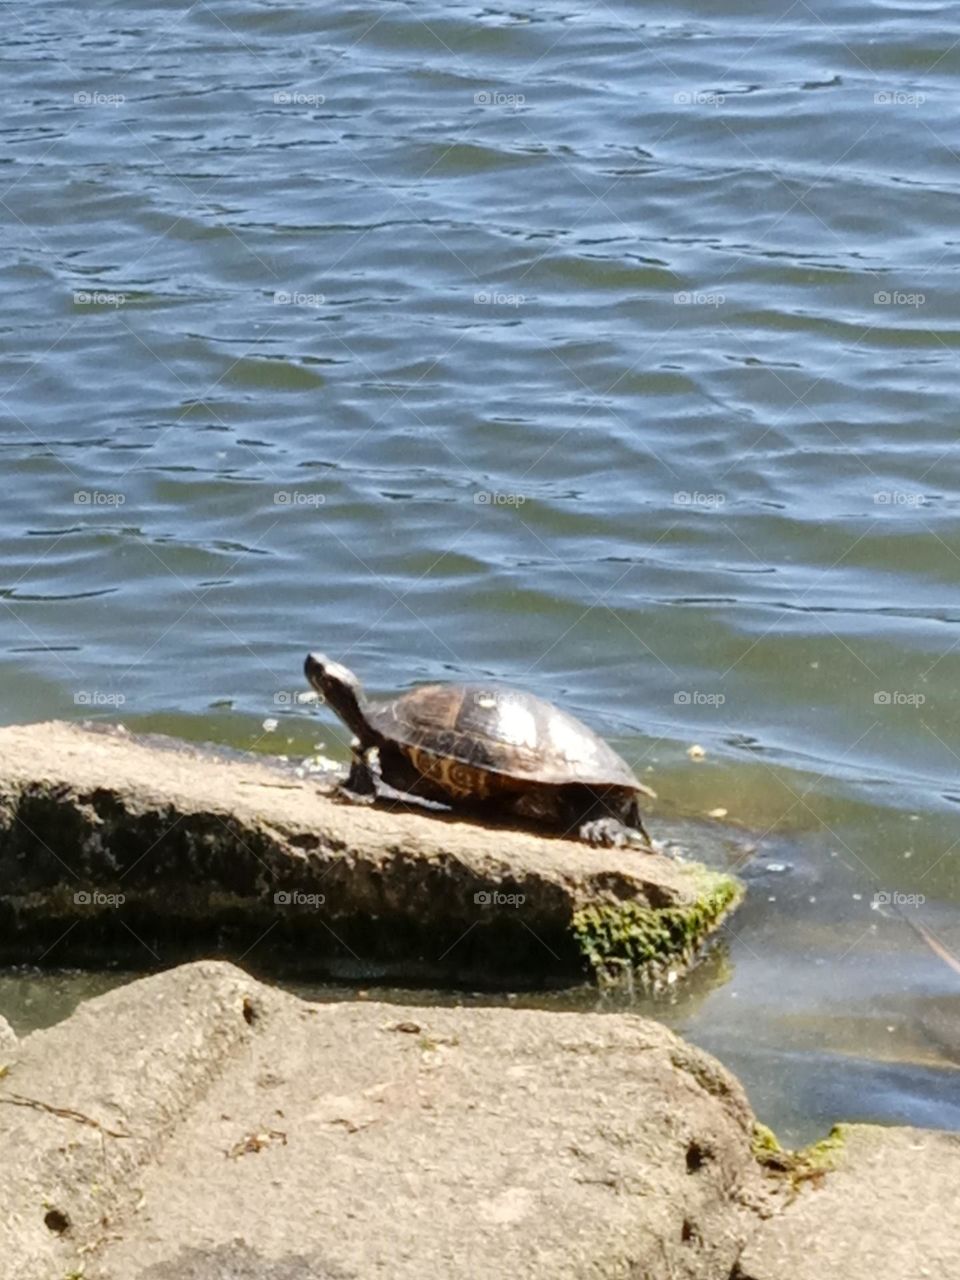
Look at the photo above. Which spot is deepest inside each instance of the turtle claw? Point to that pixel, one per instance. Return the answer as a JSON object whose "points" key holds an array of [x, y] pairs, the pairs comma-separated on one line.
{"points": [[348, 796]]}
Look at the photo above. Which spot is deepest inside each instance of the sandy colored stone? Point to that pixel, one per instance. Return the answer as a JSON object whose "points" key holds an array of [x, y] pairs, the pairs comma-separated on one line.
{"points": [[230, 1130], [8, 1040]]}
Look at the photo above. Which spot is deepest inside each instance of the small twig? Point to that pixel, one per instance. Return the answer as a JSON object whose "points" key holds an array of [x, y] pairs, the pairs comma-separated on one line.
{"points": [[67, 1113]]}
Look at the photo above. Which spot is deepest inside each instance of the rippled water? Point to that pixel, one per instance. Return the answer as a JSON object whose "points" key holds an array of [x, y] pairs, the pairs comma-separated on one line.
{"points": [[608, 351]]}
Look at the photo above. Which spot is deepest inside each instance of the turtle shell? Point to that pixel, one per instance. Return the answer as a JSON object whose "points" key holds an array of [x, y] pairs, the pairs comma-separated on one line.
{"points": [[501, 731]]}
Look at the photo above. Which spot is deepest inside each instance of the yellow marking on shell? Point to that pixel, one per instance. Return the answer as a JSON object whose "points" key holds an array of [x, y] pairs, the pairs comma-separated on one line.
{"points": [[456, 779]]}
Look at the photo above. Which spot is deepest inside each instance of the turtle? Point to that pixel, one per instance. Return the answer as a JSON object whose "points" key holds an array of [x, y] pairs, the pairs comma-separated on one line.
{"points": [[488, 750]]}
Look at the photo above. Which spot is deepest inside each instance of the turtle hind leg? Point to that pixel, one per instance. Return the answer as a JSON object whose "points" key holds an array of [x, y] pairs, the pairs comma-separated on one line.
{"points": [[605, 833], [614, 826], [608, 820]]}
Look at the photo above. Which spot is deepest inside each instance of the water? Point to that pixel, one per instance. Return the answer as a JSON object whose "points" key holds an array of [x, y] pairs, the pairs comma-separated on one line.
{"points": [[608, 352]]}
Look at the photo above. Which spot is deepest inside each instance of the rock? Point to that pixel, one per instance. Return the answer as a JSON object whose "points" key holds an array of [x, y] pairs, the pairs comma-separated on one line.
{"points": [[197, 1125], [886, 1207], [114, 850], [8, 1040]]}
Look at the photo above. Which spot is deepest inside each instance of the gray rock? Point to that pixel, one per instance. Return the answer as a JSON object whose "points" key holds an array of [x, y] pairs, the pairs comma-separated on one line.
{"points": [[115, 850], [887, 1207]]}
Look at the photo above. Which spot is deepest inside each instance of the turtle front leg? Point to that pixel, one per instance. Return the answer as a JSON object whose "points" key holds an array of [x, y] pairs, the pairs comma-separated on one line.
{"points": [[363, 781]]}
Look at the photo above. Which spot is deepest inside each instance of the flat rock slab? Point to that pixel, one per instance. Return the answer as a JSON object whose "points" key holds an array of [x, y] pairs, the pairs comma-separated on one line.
{"points": [[116, 850], [889, 1209], [198, 1125]]}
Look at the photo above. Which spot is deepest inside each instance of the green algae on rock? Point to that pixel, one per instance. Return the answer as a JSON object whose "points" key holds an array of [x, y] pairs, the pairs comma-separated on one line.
{"points": [[622, 940]]}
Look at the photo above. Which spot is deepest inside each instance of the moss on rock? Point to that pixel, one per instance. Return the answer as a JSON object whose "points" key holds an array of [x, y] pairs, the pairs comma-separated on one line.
{"points": [[633, 938], [823, 1156]]}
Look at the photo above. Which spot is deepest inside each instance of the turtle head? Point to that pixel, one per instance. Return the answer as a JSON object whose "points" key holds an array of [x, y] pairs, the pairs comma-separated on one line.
{"points": [[340, 689]]}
